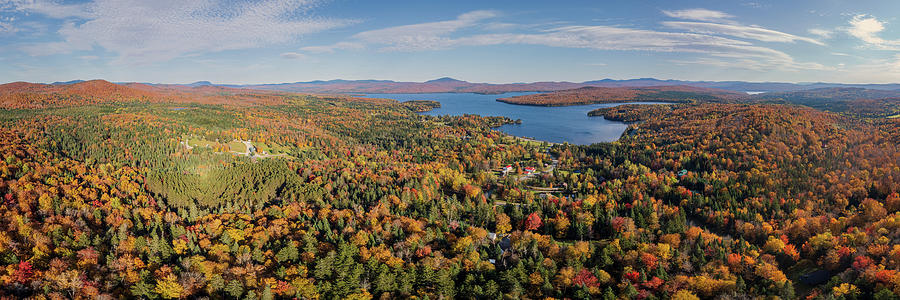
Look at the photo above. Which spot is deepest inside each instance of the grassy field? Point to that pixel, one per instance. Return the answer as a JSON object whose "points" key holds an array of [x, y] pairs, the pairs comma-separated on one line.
{"points": [[194, 141], [270, 148], [237, 146]]}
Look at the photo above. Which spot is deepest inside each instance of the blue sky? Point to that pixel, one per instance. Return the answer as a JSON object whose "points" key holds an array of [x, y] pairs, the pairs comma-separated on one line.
{"points": [[176, 41]]}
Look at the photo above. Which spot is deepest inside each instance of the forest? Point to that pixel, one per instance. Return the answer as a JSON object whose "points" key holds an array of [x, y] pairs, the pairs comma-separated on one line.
{"points": [[591, 95], [630, 113], [117, 191]]}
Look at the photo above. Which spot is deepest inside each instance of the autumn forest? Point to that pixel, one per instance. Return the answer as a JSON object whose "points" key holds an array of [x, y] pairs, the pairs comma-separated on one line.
{"points": [[127, 191]]}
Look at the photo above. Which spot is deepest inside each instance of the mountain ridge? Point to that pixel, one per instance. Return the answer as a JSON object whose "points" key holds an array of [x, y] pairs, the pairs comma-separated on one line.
{"points": [[452, 85]]}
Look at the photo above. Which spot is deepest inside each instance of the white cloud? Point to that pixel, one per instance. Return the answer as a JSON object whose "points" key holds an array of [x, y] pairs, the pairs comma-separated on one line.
{"points": [[873, 71], [7, 28], [824, 33], [752, 63], [866, 28], [50, 8], [424, 36], [333, 47], [740, 31], [702, 38], [293, 55], [149, 31], [699, 14]]}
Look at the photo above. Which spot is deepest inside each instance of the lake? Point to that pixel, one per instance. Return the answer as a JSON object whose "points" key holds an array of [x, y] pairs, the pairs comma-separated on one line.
{"points": [[553, 124]]}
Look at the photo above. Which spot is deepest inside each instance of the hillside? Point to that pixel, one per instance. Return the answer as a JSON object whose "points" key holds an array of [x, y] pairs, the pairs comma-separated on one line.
{"points": [[859, 102], [219, 194], [23, 95], [630, 113], [443, 85], [829, 95], [592, 95]]}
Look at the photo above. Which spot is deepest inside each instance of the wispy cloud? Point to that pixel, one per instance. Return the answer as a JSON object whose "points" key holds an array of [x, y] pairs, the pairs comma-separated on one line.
{"points": [[751, 63], [424, 36], [711, 39], [866, 28], [293, 55], [7, 28], [699, 14], [333, 47], [740, 31], [721, 23], [885, 70], [149, 31], [823, 33], [49, 8]]}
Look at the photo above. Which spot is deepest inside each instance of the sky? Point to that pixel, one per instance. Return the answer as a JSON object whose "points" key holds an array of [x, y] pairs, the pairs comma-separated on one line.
{"points": [[498, 41]]}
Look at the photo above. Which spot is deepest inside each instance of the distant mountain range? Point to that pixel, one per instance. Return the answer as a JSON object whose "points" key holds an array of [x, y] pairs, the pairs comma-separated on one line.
{"points": [[37, 95], [662, 93], [450, 85], [873, 101]]}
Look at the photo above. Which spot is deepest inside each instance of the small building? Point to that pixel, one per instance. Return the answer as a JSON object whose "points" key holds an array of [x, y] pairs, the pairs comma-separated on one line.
{"points": [[507, 168], [505, 244], [530, 170]]}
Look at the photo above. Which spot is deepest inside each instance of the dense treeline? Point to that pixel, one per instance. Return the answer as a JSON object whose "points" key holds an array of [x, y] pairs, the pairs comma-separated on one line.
{"points": [[591, 95], [856, 102], [630, 113], [811, 193], [367, 199], [421, 105]]}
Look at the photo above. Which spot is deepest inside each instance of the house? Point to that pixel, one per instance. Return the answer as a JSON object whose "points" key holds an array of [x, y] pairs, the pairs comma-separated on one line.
{"points": [[529, 170], [505, 244], [507, 168]]}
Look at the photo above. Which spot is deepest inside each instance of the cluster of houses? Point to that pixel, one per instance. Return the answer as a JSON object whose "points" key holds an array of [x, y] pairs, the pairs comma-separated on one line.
{"points": [[528, 170]]}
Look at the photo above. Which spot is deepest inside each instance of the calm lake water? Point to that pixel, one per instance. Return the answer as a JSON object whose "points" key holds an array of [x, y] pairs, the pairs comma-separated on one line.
{"points": [[553, 124]]}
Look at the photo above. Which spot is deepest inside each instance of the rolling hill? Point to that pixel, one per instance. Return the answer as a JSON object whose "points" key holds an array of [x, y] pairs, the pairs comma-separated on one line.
{"points": [[450, 85], [591, 95], [25, 95]]}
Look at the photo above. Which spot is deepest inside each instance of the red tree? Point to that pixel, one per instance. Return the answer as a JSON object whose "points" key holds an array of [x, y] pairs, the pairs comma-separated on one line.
{"points": [[533, 221], [23, 272], [586, 278]]}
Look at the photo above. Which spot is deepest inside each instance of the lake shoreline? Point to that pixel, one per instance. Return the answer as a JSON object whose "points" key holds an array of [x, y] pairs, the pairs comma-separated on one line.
{"points": [[559, 124], [587, 103]]}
